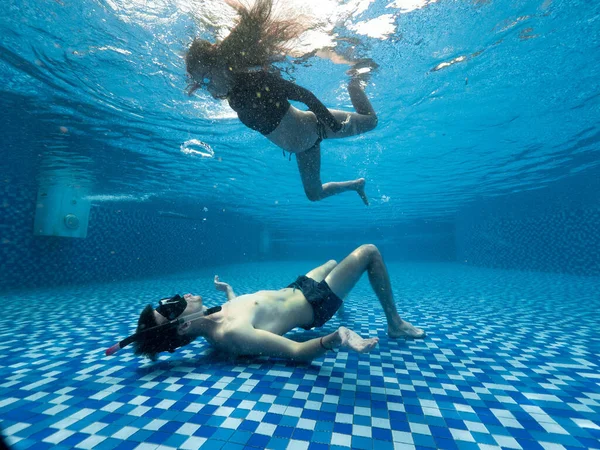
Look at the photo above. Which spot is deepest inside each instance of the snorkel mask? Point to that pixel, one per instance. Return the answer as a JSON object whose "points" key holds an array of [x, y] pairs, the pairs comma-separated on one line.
{"points": [[170, 308]]}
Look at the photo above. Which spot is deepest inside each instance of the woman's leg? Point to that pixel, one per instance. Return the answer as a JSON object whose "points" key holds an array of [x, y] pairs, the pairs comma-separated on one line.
{"points": [[363, 120], [309, 165], [346, 274]]}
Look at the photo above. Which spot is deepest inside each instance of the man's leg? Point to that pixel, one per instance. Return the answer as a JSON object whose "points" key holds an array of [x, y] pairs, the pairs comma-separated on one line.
{"points": [[346, 274], [319, 273]]}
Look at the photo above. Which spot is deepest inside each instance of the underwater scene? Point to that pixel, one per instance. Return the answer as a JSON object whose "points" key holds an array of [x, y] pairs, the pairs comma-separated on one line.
{"points": [[304, 225]]}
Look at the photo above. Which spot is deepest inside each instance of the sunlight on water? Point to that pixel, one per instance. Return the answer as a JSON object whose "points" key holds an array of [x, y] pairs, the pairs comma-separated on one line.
{"points": [[322, 15]]}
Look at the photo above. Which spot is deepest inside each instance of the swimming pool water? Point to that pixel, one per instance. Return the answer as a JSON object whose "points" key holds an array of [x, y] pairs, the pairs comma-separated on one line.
{"points": [[510, 361]]}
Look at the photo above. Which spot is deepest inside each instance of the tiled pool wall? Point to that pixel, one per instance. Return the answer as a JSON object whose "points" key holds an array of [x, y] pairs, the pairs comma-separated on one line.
{"points": [[122, 243], [418, 240], [554, 230]]}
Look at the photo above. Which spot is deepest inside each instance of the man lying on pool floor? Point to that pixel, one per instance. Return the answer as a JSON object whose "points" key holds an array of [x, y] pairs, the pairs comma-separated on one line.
{"points": [[254, 324]]}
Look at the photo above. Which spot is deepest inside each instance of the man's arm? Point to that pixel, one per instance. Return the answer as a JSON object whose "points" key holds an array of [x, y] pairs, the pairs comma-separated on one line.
{"points": [[251, 341], [224, 287]]}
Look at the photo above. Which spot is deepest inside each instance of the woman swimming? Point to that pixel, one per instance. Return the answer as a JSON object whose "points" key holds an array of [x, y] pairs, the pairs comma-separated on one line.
{"points": [[240, 69]]}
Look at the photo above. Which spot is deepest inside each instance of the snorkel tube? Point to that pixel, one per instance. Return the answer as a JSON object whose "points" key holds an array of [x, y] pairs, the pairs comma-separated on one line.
{"points": [[163, 327]]}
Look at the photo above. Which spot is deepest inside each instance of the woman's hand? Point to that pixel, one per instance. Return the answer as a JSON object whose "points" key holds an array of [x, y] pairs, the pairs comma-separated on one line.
{"points": [[219, 285]]}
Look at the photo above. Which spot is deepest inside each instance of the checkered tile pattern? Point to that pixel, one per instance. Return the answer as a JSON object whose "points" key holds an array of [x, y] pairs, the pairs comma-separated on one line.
{"points": [[511, 361]]}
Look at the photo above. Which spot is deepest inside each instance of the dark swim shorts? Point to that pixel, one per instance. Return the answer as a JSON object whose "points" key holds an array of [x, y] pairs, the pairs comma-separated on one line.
{"points": [[323, 300]]}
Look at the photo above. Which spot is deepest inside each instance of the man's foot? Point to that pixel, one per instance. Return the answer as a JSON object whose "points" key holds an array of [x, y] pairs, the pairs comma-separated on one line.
{"points": [[360, 189], [351, 340], [405, 330]]}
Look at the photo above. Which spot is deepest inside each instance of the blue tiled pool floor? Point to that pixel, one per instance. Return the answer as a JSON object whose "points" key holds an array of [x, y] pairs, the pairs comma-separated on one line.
{"points": [[511, 361]]}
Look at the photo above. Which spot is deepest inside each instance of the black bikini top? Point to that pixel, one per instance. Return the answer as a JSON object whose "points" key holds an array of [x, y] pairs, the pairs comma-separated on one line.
{"points": [[261, 99]]}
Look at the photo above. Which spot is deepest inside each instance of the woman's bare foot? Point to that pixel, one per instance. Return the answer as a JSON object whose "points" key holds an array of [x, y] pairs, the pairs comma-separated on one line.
{"points": [[360, 189], [353, 341], [406, 330]]}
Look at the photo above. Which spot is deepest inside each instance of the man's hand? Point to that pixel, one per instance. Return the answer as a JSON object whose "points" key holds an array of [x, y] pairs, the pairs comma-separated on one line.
{"points": [[219, 285], [350, 339], [224, 287]]}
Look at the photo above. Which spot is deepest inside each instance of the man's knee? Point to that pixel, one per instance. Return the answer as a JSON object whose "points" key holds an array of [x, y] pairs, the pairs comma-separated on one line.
{"points": [[331, 263], [369, 250]]}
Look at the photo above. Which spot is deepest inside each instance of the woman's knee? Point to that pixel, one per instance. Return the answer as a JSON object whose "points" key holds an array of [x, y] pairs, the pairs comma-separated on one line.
{"points": [[314, 195], [364, 123], [373, 121]]}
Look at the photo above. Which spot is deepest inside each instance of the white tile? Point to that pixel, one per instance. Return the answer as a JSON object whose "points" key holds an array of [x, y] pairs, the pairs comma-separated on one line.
{"points": [[266, 428], [343, 418], [420, 428], [231, 423], [125, 432], [256, 416], [361, 430], [187, 429], [461, 435], [94, 428], [403, 437], [380, 422], [223, 411], [193, 443], [297, 445], [293, 411], [58, 437], [476, 427], [91, 442], [584, 423], [306, 424], [341, 439], [506, 442], [155, 424]]}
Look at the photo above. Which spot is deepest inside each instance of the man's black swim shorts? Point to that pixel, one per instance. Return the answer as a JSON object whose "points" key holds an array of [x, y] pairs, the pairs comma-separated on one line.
{"points": [[324, 301]]}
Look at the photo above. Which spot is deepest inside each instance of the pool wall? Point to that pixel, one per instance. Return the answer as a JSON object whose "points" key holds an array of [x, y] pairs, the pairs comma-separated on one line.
{"points": [[554, 229]]}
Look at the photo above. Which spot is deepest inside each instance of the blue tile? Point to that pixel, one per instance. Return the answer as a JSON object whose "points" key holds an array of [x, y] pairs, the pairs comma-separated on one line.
{"points": [[258, 440], [423, 440], [205, 431], [317, 446], [285, 432], [359, 442], [323, 437], [277, 443], [232, 446], [342, 428], [381, 434], [302, 434], [222, 434]]}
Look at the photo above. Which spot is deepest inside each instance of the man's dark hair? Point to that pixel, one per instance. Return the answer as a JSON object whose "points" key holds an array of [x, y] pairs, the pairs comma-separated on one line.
{"points": [[151, 344]]}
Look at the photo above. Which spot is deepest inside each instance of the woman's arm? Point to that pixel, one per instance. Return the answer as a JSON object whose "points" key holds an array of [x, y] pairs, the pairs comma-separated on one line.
{"points": [[224, 287], [303, 95]]}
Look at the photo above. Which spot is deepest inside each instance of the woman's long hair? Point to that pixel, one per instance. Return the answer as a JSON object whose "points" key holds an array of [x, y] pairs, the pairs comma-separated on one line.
{"points": [[258, 39]]}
